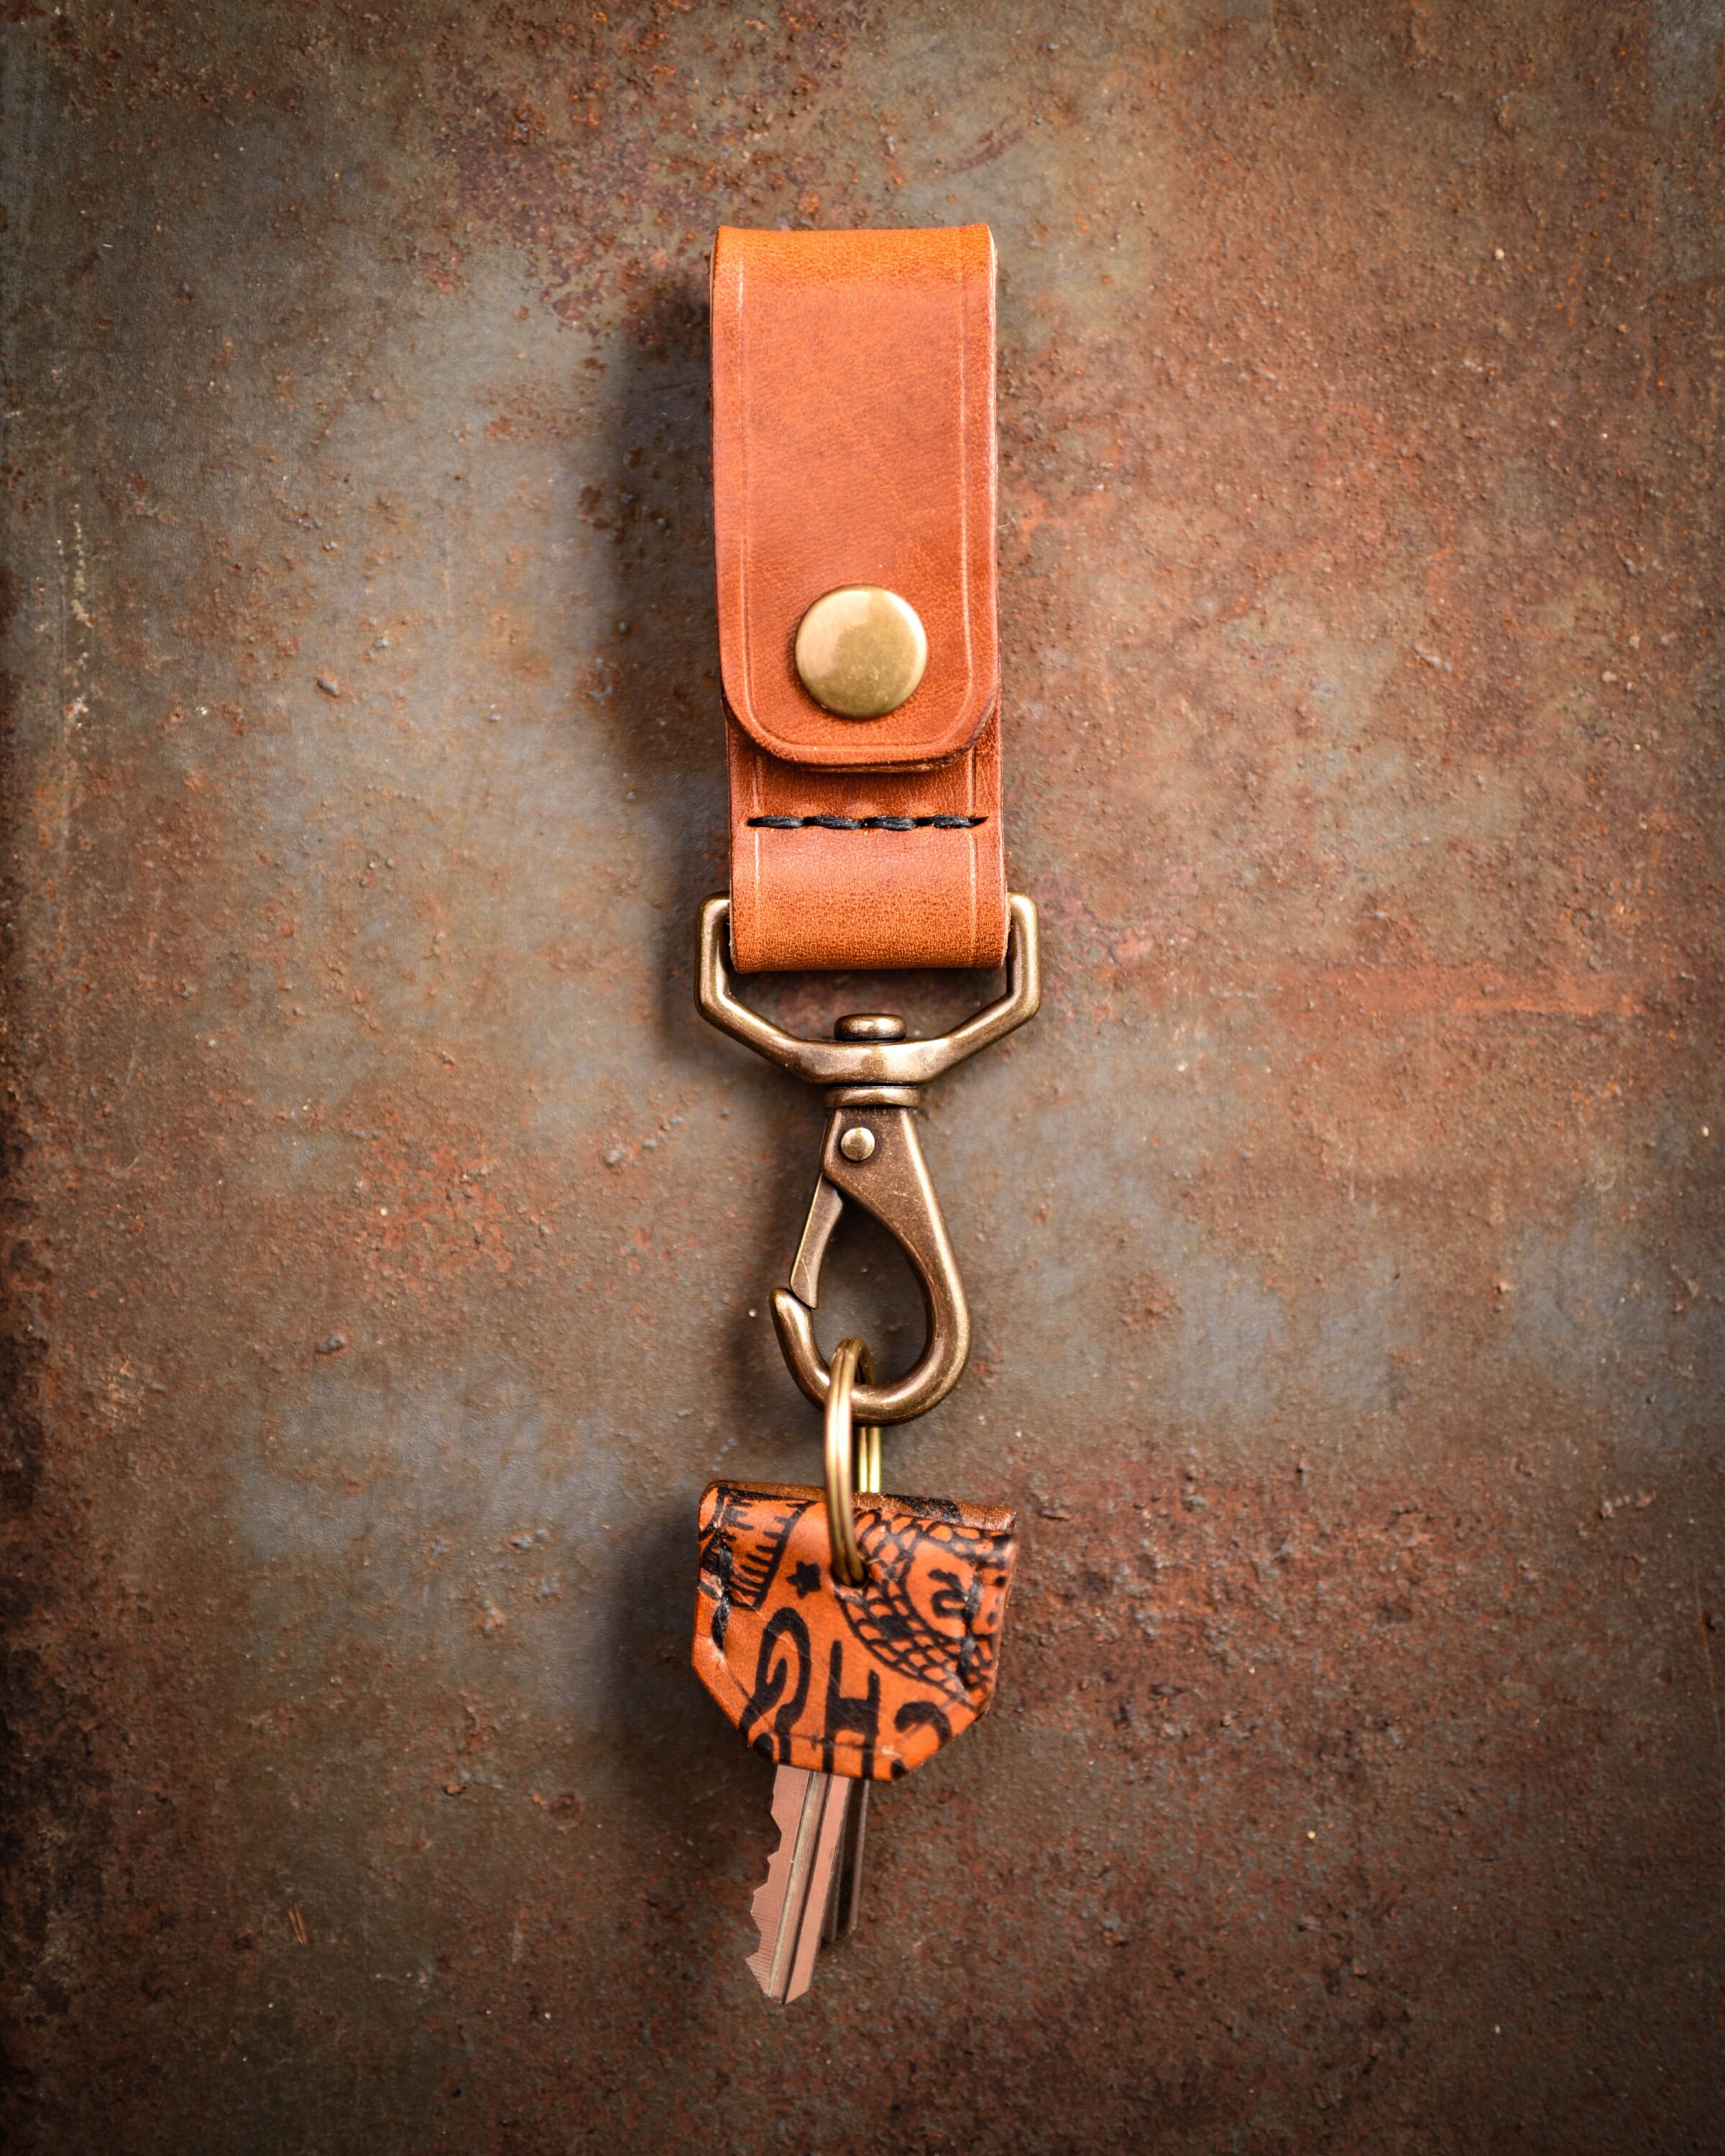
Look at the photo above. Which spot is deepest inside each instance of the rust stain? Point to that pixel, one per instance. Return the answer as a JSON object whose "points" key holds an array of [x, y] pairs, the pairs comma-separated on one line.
{"points": [[387, 1243]]}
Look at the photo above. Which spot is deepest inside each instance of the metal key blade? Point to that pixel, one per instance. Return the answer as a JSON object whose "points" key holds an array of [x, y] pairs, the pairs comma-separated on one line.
{"points": [[844, 1895], [847, 1902], [790, 1908]]}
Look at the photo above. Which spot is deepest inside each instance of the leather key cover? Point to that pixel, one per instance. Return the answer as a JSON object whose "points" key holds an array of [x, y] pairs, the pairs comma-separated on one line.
{"points": [[865, 1681], [853, 443]]}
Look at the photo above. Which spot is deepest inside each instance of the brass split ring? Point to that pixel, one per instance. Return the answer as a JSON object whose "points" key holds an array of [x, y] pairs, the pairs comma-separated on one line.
{"points": [[852, 1461]]}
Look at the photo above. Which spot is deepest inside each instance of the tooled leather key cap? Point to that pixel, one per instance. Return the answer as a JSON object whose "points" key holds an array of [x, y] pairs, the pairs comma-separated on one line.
{"points": [[867, 1680]]}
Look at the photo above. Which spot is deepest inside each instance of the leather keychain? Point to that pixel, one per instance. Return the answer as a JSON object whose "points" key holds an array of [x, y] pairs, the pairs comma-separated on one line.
{"points": [[848, 1634]]}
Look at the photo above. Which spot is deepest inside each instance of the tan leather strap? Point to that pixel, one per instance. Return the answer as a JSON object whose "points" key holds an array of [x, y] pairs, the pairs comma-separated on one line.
{"points": [[853, 443]]}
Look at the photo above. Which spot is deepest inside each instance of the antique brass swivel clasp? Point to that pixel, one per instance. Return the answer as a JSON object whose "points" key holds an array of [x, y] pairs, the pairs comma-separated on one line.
{"points": [[872, 1157]]}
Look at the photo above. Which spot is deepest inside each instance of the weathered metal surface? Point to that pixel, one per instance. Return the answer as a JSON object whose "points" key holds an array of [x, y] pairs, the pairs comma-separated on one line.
{"points": [[390, 1243]]}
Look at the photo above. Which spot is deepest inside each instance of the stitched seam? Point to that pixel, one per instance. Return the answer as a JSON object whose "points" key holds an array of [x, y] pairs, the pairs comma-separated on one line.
{"points": [[894, 823]]}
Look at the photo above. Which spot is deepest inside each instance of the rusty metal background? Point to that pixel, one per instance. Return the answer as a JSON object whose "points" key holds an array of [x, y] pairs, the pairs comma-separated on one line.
{"points": [[388, 1242]]}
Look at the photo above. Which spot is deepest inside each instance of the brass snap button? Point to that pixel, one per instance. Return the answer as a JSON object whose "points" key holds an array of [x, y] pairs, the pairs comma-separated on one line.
{"points": [[861, 651]]}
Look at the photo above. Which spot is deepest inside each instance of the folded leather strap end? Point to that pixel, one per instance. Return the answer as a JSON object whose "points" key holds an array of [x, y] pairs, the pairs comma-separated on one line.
{"points": [[855, 893]]}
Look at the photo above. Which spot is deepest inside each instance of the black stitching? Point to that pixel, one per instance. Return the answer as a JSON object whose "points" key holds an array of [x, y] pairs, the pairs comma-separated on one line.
{"points": [[865, 823]]}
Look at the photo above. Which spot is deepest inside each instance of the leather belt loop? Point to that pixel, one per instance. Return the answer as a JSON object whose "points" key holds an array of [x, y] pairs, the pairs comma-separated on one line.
{"points": [[854, 448]]}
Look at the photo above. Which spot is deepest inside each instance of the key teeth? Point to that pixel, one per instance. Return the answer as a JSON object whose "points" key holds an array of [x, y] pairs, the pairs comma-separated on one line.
{"points": [[791, 1905], [768, 1906]]}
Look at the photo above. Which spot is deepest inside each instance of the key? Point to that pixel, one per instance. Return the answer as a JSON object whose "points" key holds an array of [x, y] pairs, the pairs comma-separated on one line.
{"points": [[839, 1686], [797, 1906]]}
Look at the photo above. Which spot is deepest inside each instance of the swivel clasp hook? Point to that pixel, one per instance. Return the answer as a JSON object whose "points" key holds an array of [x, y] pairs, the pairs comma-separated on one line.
{"points": [[872, 1157]]}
